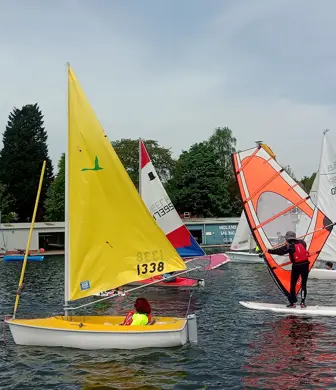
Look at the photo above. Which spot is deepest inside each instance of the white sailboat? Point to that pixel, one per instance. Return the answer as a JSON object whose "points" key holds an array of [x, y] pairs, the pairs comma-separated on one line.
{"points": [[111, 240], [323, 194], [243, 247]]}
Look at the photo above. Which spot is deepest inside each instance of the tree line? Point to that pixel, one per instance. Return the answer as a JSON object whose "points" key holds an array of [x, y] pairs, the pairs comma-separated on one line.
{"points": [[199, 181]]}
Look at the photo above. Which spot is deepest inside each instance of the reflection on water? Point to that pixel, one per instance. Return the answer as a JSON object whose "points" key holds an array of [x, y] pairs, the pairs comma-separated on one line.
{"points": [[238, 348], [292, 353]]}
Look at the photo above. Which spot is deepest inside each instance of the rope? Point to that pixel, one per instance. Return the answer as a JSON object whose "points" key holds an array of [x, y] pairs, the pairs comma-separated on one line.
{"points": [[190, 296]]}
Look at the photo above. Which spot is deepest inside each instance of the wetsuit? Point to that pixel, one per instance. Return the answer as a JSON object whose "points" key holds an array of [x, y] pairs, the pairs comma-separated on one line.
{"points": [[301, 268]]}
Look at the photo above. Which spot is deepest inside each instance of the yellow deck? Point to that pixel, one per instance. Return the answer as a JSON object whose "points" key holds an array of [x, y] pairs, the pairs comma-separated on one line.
{"points": [[101, 324]]}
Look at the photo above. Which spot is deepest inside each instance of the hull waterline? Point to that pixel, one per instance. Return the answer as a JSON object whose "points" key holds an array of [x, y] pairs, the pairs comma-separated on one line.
{"points": [[245, 257]]}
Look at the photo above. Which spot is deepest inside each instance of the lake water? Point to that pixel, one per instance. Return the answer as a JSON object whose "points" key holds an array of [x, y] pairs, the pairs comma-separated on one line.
{"points": [[238, 348]]}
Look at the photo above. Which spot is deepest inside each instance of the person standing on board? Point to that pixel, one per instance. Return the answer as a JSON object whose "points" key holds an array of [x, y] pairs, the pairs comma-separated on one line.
{"points": [[299, 257]]}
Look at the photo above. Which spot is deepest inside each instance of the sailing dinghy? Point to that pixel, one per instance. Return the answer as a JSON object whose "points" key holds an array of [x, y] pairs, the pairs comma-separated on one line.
{"points": [[243, 246], [269, 196], [102, 208], [163, 211], [323, 194]]}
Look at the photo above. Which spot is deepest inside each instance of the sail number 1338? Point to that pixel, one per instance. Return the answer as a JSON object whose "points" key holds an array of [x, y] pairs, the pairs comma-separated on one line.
{"points": [[150, 262]]}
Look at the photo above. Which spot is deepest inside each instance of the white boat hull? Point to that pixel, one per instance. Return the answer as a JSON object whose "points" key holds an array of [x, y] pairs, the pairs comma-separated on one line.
{"points": [[322, 274], [129, 337], [281, 308], [245, 257]]}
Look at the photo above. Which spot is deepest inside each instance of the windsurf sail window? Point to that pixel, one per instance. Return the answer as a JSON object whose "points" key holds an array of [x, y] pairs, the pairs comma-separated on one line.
{"points": [[274, 204]]}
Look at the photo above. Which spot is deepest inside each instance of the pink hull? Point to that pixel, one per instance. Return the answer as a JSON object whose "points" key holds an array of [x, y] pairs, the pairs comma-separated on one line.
{"points": [[216, 260], [180, 282]]}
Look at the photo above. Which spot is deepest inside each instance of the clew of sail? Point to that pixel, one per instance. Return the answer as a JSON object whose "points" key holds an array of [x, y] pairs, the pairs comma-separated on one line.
{"points": [[163, 211], [274, 204], [113, 240]]}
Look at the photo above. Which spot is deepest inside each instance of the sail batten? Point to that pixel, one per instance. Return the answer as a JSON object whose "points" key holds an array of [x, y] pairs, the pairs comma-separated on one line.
{"points": [[273, 205], [113, 238]]}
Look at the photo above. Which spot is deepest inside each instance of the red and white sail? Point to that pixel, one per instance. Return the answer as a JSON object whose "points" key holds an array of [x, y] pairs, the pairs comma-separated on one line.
{"points": [[163, 211]]}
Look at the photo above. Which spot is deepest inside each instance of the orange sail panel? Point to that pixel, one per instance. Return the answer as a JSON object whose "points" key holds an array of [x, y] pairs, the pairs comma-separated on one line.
{"points": [[274, 204]]}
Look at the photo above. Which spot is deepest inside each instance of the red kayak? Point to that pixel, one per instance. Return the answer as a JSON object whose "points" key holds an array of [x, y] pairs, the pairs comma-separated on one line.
{"points": [[178, 282]]}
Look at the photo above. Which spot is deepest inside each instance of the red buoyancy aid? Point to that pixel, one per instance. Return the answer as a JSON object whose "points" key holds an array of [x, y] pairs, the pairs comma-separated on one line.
{"points": [[129, 317], [301, 254]]}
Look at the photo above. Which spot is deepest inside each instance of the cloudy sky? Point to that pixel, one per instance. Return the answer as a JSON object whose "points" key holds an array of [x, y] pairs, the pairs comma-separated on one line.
{"points": [[174, 70]]}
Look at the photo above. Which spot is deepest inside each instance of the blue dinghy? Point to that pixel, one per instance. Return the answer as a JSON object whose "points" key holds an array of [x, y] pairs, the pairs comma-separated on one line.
{"points": [[9, 258]]}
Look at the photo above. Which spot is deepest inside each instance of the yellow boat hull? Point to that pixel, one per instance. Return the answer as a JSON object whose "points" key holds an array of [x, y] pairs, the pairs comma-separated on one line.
{"points": [[102, 332]]}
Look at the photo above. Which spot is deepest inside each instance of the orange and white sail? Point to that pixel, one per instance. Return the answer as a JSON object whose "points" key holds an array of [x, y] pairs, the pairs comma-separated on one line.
{"points": [[274, 204]]}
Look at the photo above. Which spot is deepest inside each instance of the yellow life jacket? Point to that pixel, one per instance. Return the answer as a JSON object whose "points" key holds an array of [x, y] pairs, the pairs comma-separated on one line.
{"points": [[139, 319], [257, 248]]}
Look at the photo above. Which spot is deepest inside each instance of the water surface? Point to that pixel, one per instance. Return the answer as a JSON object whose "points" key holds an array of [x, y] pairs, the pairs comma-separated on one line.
{"points": [[238, 348]]}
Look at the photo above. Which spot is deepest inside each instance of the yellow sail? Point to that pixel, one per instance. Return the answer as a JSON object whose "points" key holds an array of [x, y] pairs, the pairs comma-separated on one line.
{"points": [[113, 239]]}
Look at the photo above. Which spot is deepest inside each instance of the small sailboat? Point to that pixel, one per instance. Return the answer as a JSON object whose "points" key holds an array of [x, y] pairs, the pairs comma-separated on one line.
{"points": [[111, 240], [270, 196], [323, 194], [163, 211], [242, 249]]}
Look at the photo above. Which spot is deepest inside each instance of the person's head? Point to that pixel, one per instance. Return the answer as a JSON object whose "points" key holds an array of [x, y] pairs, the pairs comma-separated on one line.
{"points": [[142, 306], [278, 234], [290, 236], [329, 264]]}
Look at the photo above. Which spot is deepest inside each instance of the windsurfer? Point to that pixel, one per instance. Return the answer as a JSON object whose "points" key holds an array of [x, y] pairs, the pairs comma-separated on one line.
{"points": [[299, 257]]}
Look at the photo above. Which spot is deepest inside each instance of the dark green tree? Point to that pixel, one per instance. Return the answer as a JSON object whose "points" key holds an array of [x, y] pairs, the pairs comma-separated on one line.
{"points": [[128, 152], [224, 144], [6, 205], [24, 150], [307, 182], [198, 185], [55, 201]]}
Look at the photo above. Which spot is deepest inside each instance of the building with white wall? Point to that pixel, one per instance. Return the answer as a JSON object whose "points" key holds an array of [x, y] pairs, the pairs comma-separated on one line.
{"points": [[47, 235]]}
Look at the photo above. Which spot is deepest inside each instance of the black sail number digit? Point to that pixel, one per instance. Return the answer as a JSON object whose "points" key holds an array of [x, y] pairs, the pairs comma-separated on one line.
{"points": [[150, 262]]}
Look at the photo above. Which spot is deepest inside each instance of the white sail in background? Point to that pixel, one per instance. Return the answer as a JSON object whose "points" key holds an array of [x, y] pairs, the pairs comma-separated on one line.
{"points": [[243, 240], [325, 182]]}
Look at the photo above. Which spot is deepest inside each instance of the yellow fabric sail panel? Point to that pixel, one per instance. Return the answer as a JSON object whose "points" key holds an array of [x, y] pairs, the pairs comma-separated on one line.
{"points": [[113, 239]]}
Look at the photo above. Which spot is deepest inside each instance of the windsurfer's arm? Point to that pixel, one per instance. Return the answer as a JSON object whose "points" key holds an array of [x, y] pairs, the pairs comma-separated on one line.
{"points": [[282, 250]]}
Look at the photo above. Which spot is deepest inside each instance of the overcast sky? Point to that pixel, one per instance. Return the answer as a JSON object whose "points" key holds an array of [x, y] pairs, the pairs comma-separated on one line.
{"points": [[174, 70]]}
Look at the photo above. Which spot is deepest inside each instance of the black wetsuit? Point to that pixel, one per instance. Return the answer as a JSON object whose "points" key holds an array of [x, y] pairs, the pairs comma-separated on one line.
{"points": [[298, 269]]}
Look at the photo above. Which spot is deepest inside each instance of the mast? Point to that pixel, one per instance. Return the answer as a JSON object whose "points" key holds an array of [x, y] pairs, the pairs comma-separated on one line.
{"points": [[318, 172], [66, 214], [140, 167]]}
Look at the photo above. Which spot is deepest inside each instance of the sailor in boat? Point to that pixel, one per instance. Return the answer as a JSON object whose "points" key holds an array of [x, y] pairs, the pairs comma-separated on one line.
{"points": [[329, 265], [141, 315], [299, 257]]}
